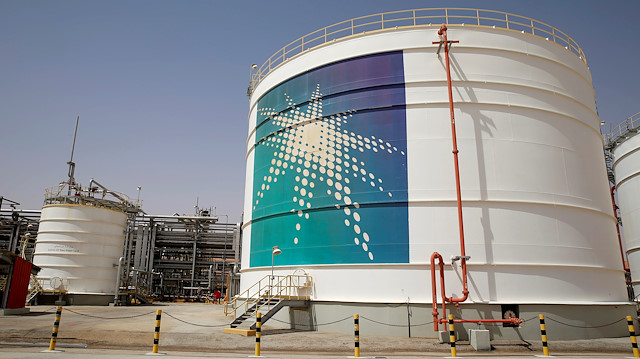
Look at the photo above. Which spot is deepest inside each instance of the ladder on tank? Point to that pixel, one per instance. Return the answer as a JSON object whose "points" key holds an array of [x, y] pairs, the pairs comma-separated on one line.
{"points": [[267, 296]]}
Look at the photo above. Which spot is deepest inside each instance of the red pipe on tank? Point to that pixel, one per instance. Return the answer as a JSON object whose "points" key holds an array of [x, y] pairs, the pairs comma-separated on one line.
{"points": [[625, 263], [465, 290], [512, 321], [434, 291], [463, 257]]}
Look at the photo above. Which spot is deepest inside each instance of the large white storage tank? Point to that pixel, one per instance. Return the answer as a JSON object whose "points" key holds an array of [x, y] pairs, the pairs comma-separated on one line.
{"points": [[624, 144], [350, 172], [80, 239]]}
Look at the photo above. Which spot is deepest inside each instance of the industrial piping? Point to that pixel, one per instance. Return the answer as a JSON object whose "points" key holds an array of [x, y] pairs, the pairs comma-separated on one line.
{"points": [[625, 262], [462, 257]]}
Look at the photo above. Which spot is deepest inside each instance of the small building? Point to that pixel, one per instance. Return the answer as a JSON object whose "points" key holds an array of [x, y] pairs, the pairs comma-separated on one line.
{"points": [[15, 274]]}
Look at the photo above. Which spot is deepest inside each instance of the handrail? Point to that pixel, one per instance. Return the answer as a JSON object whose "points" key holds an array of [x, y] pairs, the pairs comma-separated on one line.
{"points": [[269, 288], [619, 132], [416, 18], [66, 193]]}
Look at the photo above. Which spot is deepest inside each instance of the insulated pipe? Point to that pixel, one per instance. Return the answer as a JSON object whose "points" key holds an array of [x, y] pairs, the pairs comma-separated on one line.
{"points": [[465, 291], [115, 297], [625, 263]]}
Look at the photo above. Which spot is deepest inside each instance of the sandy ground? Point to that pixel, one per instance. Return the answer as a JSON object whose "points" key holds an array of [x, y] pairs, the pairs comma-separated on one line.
{"points": [[199, 327]]}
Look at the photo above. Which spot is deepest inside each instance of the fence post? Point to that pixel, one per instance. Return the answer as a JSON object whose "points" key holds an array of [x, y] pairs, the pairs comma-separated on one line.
{"points": [[632, 336], [156, 334], [543, 334], [452, 337], [356, 333], [258, 332], [54, 334]]}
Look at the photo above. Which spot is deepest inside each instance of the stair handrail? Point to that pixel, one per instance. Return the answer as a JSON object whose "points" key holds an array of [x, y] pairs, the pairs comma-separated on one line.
{"points": [[34, 290], [264, 288], [282, 290]]}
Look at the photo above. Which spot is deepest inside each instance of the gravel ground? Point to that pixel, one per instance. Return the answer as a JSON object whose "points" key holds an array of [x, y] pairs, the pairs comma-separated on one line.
{"points": [[198, 327]]}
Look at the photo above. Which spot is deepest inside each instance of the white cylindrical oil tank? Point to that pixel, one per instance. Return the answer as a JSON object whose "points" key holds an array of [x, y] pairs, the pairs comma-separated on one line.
{"points": [[78, 247], [624, 144], [350, 170]]}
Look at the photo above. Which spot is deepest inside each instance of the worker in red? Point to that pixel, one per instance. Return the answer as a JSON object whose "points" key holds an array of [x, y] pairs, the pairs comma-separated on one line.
{"points": [[216, 296]]}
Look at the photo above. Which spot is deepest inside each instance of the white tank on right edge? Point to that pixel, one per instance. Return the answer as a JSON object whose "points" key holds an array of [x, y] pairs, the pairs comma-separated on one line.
{"points": [[624, 144]]}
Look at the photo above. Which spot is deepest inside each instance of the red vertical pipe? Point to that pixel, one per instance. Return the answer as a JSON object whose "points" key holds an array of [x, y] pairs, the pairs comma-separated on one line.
{"points": [[465, 290], [625, 263]]}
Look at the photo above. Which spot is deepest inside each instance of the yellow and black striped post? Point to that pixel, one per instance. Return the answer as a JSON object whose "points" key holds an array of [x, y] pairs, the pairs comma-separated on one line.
{"points": [[356, 334], [258, 332], [54, 334], [452, 337], [156, 334], [543, 333], [632, 335]]}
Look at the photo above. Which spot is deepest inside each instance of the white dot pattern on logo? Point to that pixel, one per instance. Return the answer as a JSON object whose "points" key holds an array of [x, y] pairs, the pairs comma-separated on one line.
{"points": [[319, 148]]}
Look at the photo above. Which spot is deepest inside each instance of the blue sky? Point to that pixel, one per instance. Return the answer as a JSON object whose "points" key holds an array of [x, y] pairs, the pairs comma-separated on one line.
{"points": [[160, 86]]}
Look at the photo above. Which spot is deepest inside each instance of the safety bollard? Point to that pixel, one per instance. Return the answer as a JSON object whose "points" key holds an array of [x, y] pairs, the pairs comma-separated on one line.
{"points": [[452, 337], [543, 333], [356, 334], [156, 334], [632, 335], [258, 332], [54, 334]]}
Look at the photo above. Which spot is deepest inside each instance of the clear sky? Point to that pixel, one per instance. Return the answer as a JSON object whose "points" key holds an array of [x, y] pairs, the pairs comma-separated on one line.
{"points": [[160, 86]]}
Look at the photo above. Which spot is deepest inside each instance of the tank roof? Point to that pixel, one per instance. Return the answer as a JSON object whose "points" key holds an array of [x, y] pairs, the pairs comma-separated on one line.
{"points": [[429, 17], [626, 129]]}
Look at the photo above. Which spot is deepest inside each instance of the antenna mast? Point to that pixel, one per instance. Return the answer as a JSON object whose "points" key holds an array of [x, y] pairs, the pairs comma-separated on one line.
{"points": [[72, 165]]}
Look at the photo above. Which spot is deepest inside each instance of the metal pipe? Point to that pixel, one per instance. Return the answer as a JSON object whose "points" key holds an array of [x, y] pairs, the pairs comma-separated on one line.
{"points": [[512, 321], [115, 297], [210, 273], [625, 262], [30, 211], [168, 216], [465, 290], [434, 290], [193, 264]]}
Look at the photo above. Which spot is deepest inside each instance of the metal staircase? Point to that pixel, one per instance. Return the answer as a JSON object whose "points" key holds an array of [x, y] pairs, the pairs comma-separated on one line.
{"points": [[267, 296], [34, 289]]}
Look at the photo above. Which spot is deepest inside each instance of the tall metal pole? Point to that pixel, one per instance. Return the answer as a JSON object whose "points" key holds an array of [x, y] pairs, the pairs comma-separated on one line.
{"points": [[72, 165]]}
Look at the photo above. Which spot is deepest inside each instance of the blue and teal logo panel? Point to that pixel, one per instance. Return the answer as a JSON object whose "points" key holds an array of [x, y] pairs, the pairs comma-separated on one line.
{"points": [[330, 175]]}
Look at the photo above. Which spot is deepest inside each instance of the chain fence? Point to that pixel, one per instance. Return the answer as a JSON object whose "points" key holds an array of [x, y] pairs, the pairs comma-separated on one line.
{"points": [[332, 322], [312, 325]]}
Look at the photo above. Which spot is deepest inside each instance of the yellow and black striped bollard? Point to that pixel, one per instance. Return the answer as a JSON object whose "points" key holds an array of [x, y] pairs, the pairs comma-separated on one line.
{"points": [[156, 334], [258, 332], [54, 334], [356, 334], [632, 335], [452, 337], [543, 334]]}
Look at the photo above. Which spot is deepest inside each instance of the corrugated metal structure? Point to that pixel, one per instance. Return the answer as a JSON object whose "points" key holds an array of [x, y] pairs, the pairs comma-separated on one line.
{"points": [[350, 174]]}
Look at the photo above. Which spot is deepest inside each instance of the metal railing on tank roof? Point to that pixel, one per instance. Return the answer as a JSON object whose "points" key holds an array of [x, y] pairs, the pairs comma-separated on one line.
{"points": [[624, 130], [413, 18], [66, 193]]}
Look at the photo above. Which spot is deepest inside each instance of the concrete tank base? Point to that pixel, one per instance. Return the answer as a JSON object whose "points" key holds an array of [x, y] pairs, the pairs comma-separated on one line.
{"points": [[563, 321]]}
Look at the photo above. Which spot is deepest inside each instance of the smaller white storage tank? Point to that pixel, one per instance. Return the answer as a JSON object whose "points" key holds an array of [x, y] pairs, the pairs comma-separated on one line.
{"points": [[80, 239], [624, 144]]}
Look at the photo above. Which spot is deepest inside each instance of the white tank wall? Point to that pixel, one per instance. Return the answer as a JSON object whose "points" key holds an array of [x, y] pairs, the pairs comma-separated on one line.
{"points": [[80, 244], [626, 167], [538, 220]]}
